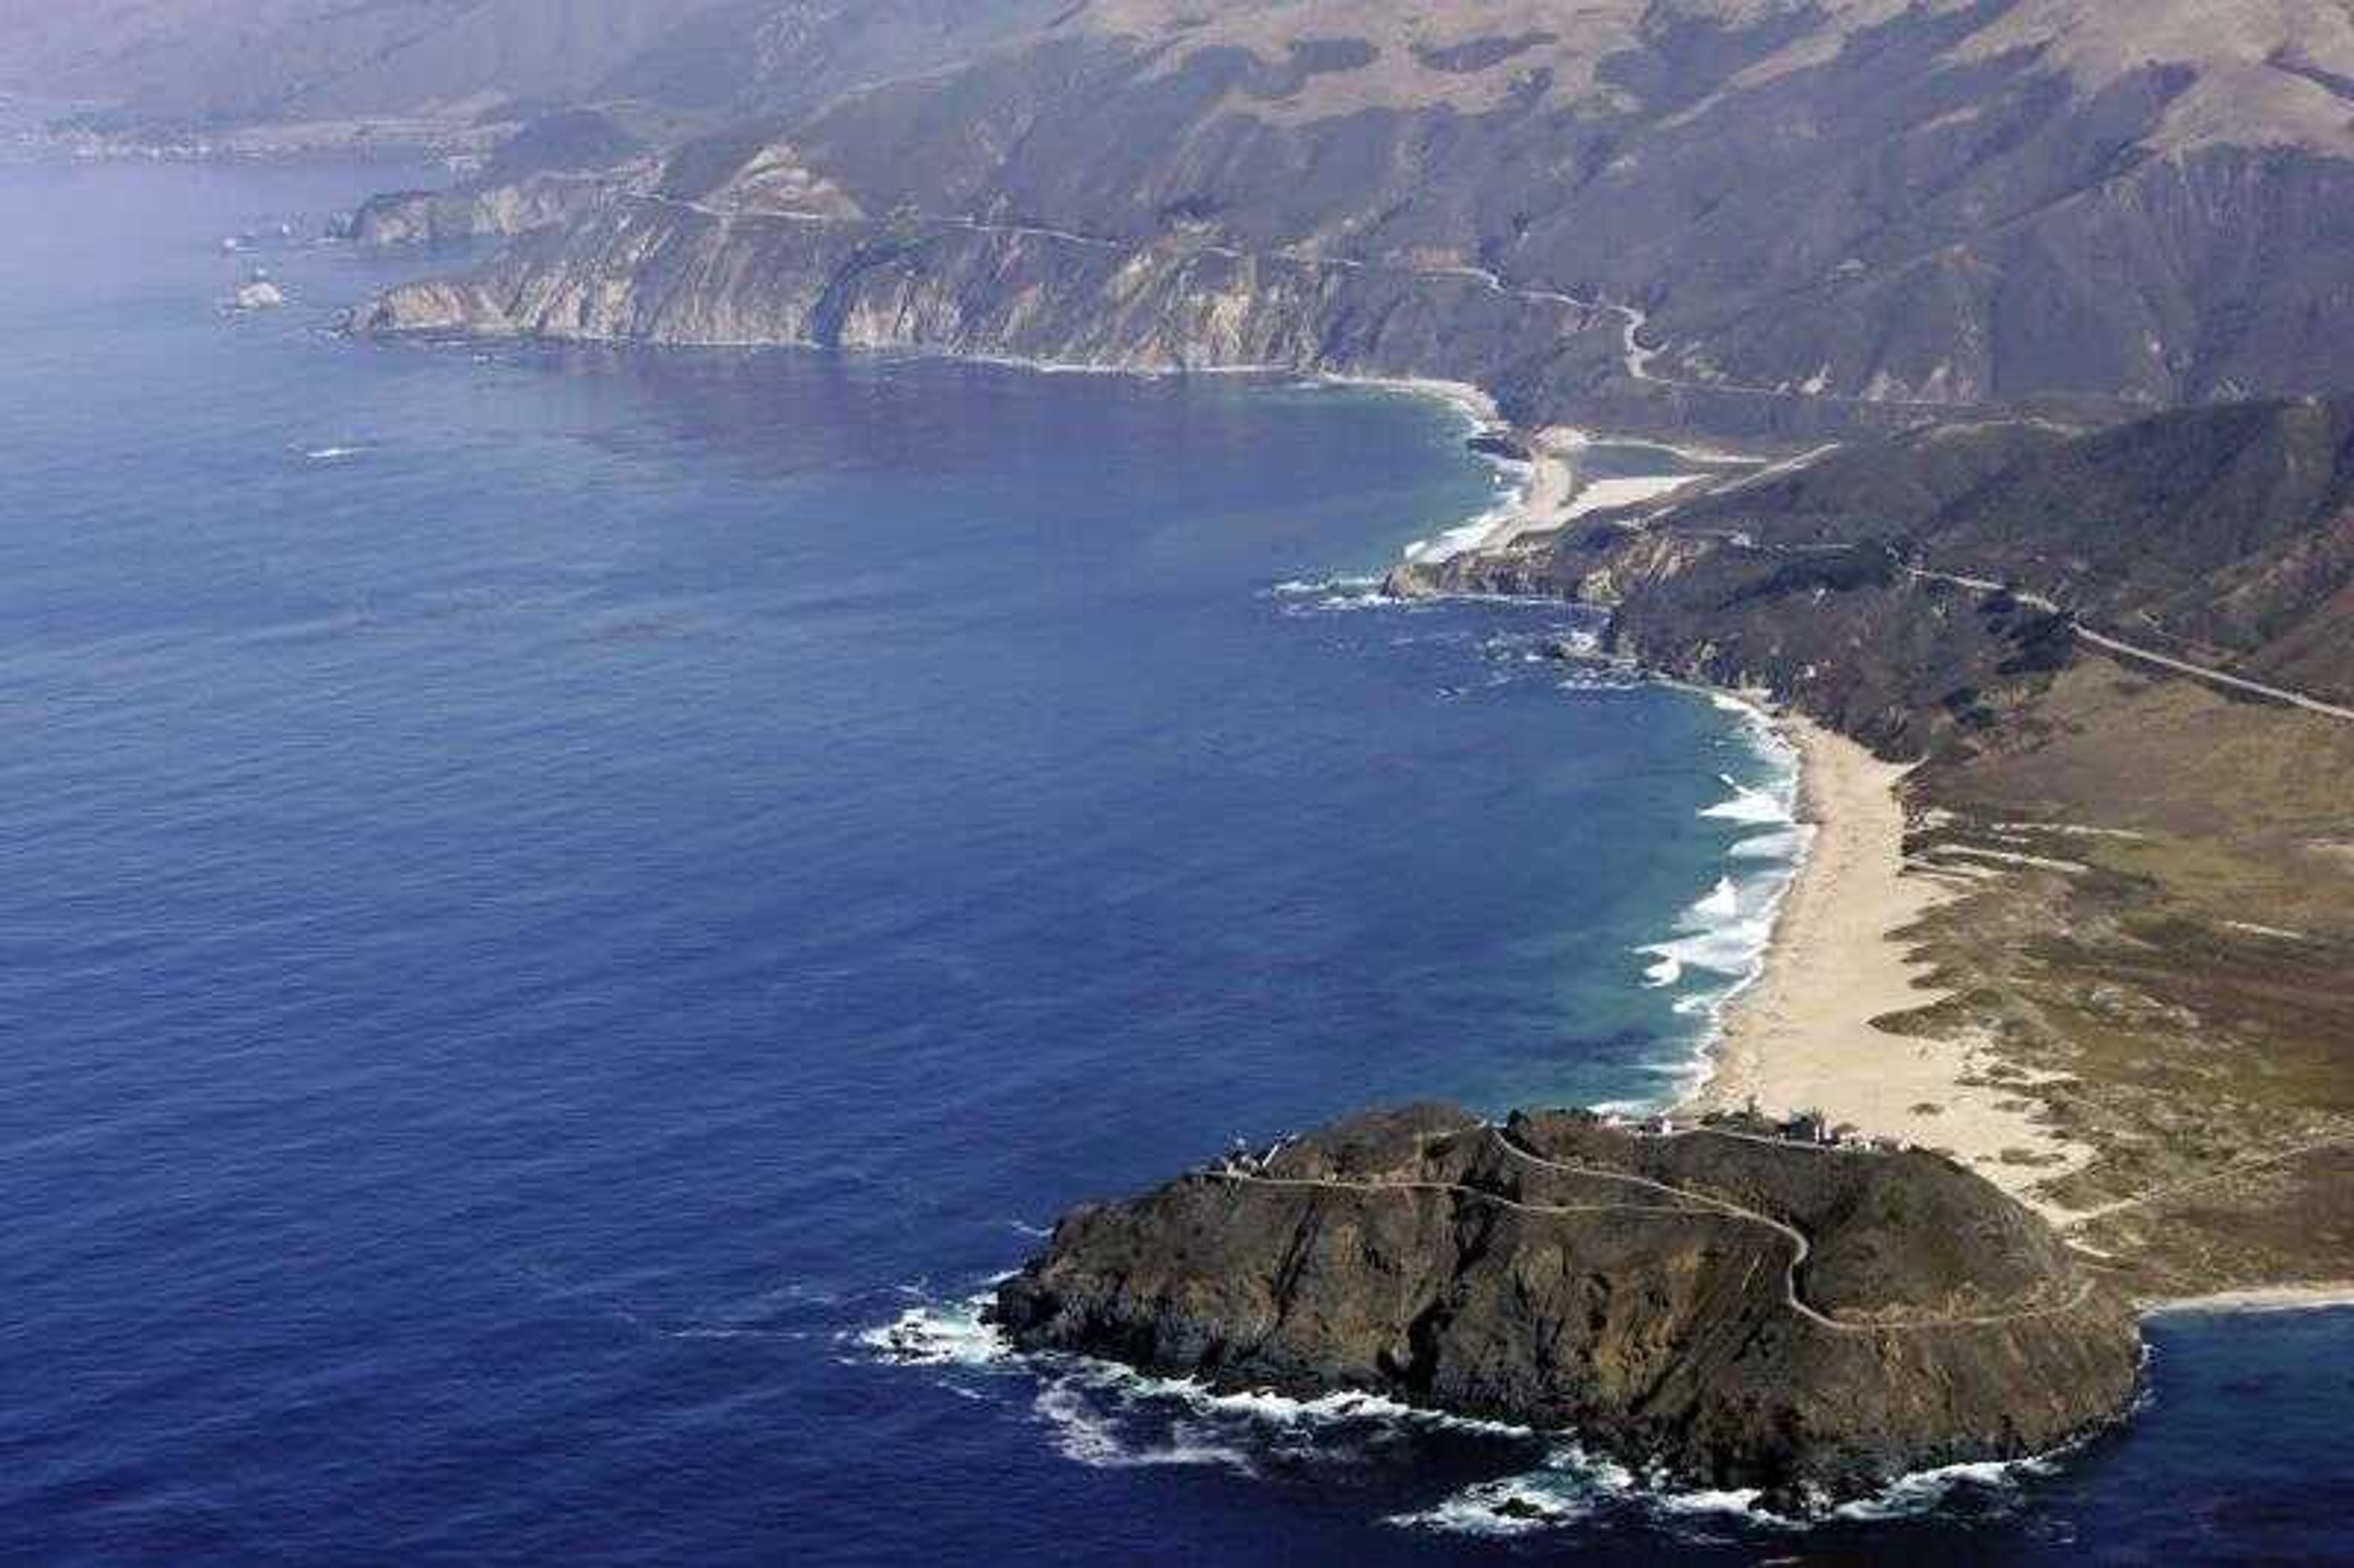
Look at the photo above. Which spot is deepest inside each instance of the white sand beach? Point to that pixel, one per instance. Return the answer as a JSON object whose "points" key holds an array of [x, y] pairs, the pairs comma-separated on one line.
{"points": [[1803, 1036]]}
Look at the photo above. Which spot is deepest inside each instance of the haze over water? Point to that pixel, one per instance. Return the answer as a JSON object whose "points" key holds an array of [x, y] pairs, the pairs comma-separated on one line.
{"points": [[550, 895]]}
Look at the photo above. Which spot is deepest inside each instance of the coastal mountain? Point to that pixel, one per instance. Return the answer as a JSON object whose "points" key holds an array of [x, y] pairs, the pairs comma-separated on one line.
{"points": [[1733, 1310], [2223, 536], [1736, 212], [215, 65]]}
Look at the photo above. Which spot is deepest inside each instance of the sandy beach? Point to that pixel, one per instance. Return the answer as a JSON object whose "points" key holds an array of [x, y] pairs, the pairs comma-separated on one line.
{"points": [[1803, 1037], [1552, 491]]}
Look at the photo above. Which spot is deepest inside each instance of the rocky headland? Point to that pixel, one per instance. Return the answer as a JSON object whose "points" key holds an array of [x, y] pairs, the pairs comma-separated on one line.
{"points": [[1715, 1307]]}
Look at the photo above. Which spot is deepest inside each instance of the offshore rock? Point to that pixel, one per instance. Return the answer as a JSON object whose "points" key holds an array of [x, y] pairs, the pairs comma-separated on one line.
{"points": [[1726, 1310]]}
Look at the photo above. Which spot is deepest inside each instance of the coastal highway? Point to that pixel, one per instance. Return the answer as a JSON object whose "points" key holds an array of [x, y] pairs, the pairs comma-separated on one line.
{"points": [[2296, 699], [1688, 1205]]}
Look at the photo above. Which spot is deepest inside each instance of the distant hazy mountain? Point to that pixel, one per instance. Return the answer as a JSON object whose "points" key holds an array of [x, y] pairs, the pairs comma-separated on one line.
{"points": [[227, 62]]}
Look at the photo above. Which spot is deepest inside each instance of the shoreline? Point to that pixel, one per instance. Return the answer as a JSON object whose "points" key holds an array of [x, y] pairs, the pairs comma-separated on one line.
{"points": [[2260, 1298], [1551, 490], [1801, 1035], [1547, 495]]}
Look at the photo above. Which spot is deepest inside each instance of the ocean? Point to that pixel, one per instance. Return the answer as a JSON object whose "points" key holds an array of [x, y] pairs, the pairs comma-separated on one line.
{"points": [[566, 910]]}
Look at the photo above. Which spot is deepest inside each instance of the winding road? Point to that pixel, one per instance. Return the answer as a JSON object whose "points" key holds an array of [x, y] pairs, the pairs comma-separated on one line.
{"points": [[2296, 699], [1689, 1205]]}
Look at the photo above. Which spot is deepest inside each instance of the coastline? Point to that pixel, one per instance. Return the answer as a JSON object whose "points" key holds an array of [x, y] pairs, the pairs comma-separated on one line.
{"points": [[1802, 1036], [2321, 1297], [1552, 490]]}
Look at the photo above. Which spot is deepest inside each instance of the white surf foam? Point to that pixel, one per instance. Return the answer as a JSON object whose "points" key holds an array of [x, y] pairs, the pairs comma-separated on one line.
{"points": [[1788, 845], [1473, 533], [1109, 1416], [934, 1332], [938, 1334], [1723, 932], [1320, 595], [1721, 940], [1300, 587], [1088, 1436], [1763, 806], [1929, 1492], [1570, 1485], [1722, 903]]}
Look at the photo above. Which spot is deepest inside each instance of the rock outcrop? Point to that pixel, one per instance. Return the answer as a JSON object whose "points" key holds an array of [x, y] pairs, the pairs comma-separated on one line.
{"points": [[1727, 1310]]}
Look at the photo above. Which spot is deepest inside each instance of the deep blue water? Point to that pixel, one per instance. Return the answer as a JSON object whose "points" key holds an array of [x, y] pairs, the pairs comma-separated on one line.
{"points": [[546, 897]]}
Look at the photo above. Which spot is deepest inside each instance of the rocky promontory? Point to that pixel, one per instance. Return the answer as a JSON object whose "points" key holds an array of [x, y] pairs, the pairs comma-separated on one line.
{"points": [[1720, 1306]]}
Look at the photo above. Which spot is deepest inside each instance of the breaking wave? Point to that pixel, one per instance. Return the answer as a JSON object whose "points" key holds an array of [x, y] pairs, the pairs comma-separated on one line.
{"points": [[1109, 1416], [1105, 1415], [1319, 595], [1760, 806], [1573, 1486], [1568, 1487], [1720, 941]]}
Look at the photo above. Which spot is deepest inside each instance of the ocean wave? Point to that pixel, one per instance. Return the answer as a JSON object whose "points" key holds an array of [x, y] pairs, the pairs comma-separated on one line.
{"points": [[1757, 805], [938, 1334], [1720, 941], [1724, 903], [1300, 587], [1324, 595], [1087, 1434], [1105, 1415], [1570, 1485], [1996, 1482], [1108, 1415], [1789, 844], [332, 454], [1724, 932], [1573, 1486], [1465, 537]]}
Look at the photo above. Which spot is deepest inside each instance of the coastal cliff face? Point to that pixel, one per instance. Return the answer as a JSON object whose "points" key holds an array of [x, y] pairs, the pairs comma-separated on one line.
{"points": [[1784, 219], [649, 268], [1731, 1311], [492, 211]]}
